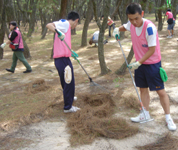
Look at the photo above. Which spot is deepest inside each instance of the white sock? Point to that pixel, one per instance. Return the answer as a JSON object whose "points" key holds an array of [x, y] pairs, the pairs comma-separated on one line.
{"points": [[168, 116]]}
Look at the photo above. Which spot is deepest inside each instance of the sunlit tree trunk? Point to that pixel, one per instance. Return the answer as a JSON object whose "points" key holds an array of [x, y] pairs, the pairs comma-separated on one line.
{"points": [[86, 24]]}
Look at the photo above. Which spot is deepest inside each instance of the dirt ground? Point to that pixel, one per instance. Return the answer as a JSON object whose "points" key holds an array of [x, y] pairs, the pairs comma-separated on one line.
{"points": [[31, 116]]}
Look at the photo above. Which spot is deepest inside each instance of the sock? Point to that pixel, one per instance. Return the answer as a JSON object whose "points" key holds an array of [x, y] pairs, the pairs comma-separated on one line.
{"points": [[168, 116]]}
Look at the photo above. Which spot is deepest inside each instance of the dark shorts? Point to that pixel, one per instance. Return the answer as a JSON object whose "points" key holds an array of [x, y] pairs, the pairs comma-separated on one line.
{"points": [[171, 26], [149, 76]]}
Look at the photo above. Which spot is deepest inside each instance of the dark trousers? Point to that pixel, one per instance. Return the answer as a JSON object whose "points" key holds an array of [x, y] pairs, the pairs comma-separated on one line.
{"points": [[110, 29], [68, 89]]}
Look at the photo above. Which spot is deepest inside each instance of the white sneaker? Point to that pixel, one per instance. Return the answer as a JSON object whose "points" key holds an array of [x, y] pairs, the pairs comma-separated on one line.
{"points": [[75, 98], [169, 36], [140, 118], [72, 109], [171, 125]]}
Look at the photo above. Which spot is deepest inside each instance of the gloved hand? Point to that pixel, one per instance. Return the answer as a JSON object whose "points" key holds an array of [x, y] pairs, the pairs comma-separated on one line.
{"points": [[74, 55], [3, 45], [116, 33], [134, 65], [61, 35]]}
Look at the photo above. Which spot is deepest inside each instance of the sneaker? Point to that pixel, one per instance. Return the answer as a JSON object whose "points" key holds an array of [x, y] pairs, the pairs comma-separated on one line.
{"points": [[72, 109], [169, 36], [140, 118], [27, 71], [171, 125], [75, 98], [9, 70]]}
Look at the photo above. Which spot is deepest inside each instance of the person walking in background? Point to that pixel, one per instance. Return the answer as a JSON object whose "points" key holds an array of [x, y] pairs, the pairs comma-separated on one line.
{"points": [[61, 55], [171, 23], [111, 24], [146, 48], [16, 44]]}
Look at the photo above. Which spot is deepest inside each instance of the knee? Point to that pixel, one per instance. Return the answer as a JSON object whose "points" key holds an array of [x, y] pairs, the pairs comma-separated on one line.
{"points": [[162, 93]]}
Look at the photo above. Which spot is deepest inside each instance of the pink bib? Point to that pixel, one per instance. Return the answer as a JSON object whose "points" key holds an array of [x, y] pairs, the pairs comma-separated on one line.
{"points": [[140, 45], [60, 49]]}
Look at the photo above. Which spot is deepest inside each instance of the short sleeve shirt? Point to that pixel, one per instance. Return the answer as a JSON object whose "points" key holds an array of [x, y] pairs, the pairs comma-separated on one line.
{"points": [[62, 25], [150, 32]]}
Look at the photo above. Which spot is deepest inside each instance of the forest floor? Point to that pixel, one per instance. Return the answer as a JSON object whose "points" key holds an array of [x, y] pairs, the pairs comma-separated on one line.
{"points": [[31, 115]]}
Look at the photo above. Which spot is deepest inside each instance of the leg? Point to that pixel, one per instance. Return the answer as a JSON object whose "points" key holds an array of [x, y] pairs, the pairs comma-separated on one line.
{"points": [[109, 31], [164, 100], [68, 89], [145, 97], [14, 62], [21, 57]]}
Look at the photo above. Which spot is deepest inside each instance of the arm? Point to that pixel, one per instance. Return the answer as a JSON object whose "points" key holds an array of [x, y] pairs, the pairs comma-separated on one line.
{"points": [[122, 29], [148, 54], [51, 27]]}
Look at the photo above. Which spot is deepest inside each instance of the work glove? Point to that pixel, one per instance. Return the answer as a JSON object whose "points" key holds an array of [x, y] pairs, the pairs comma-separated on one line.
{"points": [[3, 45], [61, 35], [134, 65], [116, 33], [74, 55]]}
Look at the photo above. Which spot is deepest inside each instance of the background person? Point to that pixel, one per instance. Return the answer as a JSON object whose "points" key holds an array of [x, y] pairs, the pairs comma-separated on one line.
{"points": [[146, 48], [171, 25], [61, 55], [16, 37], [94, 39]]}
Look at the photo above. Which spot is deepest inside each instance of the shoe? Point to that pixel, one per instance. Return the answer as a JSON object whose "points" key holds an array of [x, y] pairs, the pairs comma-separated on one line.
{"points": [[169, 36], [140, 117], [72, 109], [9, 70], [27, 71], [171, 125], [75, 98]]}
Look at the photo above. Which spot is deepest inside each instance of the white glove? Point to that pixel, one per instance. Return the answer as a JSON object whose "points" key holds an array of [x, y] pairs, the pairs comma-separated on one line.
{"points": [[116, 33], [134, 65], [3, 45], [60, 34]]}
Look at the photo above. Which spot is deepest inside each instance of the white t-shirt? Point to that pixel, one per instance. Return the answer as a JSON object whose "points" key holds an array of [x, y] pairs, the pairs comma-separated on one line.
{"points": [[150, 36], [96, 36], [62, 25]]}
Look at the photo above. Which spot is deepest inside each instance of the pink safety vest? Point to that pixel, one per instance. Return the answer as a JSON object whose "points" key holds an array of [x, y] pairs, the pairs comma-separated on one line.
{"points": [[18, 39], [60, 49], [140, 45], [110, 22]]}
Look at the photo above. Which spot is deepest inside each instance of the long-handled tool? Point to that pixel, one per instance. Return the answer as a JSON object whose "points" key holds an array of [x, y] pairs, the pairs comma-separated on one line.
{"points": [[92, 83], [142, 107]]}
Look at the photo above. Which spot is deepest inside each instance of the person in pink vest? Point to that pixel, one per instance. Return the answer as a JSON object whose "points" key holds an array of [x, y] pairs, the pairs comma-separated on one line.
{"points": [[16, 37], [110, 24], [61, 54], [146, 48], [171, 23]]}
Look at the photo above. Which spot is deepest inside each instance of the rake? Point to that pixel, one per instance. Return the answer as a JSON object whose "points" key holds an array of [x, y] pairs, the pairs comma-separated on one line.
{"points": [[92, 83], [142, 107]]}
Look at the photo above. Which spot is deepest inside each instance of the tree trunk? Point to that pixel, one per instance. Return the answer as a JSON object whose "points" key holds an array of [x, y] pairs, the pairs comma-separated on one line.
{"points": [[86, 24], [174, 6], [160, 20], [122, 14], [62, 14], [33, 5], [3, 26], [106, 8], [123, 68], [26, 49]]}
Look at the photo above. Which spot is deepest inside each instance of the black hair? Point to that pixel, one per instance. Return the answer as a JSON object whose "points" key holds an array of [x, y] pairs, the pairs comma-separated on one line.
{"points": [[134, 8], [169, 9], [73, 16], [14, 23]]}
